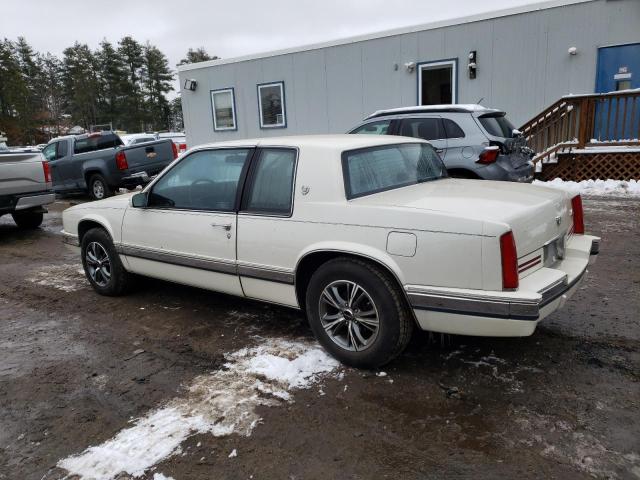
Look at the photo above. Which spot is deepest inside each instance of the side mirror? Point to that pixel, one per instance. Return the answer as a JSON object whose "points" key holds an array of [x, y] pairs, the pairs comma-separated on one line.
{"points": [[139, 200]]}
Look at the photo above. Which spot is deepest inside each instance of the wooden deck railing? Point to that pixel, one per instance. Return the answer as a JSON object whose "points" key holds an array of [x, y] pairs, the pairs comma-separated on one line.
{"points": [[579, 121]]}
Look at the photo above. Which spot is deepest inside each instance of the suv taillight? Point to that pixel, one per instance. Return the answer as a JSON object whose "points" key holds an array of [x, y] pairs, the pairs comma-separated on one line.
{"points": [[174, 147], [183, 147], [509, 257], [578, 215], [121, 161], [489, 155], [47, 172]]}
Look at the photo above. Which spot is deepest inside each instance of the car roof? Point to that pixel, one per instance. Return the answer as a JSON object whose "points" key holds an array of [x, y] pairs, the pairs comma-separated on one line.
{"points": [[445, 108], [339, 142]]}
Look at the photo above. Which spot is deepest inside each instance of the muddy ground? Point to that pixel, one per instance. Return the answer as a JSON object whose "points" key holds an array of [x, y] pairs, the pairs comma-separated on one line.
{"points": [[75, 368]]}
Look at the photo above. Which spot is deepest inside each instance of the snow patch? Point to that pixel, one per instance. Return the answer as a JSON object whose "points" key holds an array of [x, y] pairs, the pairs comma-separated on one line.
{"points": [[160, 476], [220, 403], [67, 278], [595, 187]]}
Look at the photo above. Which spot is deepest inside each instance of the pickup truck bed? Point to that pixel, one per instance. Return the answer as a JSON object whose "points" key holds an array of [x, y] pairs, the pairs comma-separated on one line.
{"points": [[25, 187]]}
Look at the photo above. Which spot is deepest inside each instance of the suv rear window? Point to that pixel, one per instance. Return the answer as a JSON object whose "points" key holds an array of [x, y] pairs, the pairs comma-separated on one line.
{"points": [[452, 128], [497, 125], [377, 169]]}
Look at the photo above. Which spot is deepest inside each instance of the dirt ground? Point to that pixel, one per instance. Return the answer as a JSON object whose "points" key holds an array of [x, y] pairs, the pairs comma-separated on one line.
{"points": [[76, 368]]}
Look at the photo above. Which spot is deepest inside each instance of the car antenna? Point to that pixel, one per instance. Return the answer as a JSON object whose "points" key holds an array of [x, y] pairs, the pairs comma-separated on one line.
{"points": [[478, 102]]}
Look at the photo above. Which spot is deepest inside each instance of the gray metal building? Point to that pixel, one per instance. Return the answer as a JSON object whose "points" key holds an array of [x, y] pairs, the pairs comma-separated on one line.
{"points": [[519, 60]]}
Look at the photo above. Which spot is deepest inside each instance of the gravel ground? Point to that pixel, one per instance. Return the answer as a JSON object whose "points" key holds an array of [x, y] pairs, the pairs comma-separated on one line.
{"points": [[76, 368]]}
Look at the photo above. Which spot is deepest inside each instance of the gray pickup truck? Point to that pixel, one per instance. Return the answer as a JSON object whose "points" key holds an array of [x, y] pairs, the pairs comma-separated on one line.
{"points": [[99, 163], [25, 186]]}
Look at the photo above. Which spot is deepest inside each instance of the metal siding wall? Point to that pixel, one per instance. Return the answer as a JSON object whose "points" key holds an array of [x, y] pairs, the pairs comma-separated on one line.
{"points": [[523, 66], [306, 94], [344, 86]]}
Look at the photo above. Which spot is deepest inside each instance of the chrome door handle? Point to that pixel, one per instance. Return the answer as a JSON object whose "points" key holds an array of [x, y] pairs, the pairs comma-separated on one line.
{"points": [[439, 150], [224, 226]]}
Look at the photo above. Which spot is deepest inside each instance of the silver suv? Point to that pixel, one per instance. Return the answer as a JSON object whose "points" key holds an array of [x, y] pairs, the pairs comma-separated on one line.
{"points": [[472, 140]]}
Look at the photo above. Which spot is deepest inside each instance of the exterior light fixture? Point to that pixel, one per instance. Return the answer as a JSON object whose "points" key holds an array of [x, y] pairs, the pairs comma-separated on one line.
{"points": [[190, 84], [572, 51], [410, 66], [472, 65]]}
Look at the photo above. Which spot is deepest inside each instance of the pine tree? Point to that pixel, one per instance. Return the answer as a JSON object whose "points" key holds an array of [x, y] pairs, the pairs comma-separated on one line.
{"points": [[157, 83], [81, 85], [131, 54], [112, 78], [197, 55]]}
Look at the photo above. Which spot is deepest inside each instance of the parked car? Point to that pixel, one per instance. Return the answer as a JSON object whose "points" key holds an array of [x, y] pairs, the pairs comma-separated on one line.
{"points": [[366, 234], [25, 186], [178, 138], [98, 163], [137, 138], [472, 140]]}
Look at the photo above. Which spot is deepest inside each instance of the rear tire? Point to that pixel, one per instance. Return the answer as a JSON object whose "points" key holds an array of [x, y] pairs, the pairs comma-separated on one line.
{"points": [[102, 265], [98, 188], [357, 313], [28, 219]]}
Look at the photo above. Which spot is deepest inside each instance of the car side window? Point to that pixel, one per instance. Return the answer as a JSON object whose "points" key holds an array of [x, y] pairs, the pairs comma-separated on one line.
{"points": [[49, 152], [62, 149], [271, 186], [205, 180], [425, 128], [373, 128], [452, 129]]}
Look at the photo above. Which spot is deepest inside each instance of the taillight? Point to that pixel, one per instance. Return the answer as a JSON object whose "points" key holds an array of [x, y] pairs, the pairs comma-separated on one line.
{"points": [[47, 172], [174, 147], [578, 214], [183, 147], [509, 257], [121, 161], [488, 155]]}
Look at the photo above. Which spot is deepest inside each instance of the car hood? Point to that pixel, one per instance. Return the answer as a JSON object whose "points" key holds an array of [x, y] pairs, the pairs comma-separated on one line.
{"points": [[530, 211], [117, 201]]}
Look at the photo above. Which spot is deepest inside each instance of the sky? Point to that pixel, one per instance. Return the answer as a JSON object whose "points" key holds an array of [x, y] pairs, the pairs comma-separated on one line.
{"points": [[226, 29]]}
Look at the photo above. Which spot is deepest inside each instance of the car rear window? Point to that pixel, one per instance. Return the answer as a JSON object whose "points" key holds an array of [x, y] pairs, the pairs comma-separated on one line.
{"points": [[497, 125], [93, 142], [377, 169]]}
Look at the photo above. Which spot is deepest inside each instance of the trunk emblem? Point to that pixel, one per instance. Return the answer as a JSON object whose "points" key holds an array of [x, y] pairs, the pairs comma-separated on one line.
{"points": [[151, 155], [558, 220]]}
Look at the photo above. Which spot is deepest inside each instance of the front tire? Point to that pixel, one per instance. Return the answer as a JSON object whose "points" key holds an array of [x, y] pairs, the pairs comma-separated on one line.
{"points": [[98, 188], [357, 313], [28, 219], [102, 265]]}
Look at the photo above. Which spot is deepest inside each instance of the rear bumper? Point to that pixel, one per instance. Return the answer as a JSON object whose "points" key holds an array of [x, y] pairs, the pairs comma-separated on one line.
{"points": [[503, 170], [500, 313], [12, 203]]}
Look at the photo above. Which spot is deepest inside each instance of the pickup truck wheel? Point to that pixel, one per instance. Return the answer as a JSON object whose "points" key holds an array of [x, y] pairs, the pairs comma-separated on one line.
{"points": [[357, 313], [27, 219], [102, 265], [98, 188]]}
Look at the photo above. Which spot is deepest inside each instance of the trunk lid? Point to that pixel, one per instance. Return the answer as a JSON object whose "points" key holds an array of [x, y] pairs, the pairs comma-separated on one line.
{"points": [[536, 215]]}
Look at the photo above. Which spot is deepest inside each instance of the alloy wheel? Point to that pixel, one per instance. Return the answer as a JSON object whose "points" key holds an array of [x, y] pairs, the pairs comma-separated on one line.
{"points": [[348, 315], [98, 264]]}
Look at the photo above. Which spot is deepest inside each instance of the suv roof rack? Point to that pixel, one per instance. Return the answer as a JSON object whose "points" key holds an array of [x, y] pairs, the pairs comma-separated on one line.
{"points": [[452, 108]]}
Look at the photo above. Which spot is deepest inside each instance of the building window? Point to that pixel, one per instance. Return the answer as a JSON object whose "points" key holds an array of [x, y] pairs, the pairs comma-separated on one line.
{"points": [[271, 105], [223, 104]]}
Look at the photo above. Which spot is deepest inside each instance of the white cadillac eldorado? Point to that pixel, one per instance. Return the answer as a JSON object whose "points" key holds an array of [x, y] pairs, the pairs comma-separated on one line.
{"points": [[366, 234]]}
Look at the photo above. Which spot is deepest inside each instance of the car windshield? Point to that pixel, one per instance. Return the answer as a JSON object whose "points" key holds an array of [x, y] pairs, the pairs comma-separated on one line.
{"points": [[497, 125], [376, 169]]}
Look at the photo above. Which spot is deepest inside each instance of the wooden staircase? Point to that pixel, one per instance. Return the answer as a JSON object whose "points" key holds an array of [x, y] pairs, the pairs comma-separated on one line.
{"points": [[583, 137]]}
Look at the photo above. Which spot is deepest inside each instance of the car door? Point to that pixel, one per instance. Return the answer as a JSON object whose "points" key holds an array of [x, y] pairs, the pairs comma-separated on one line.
{"points": [[428, 128], [187, 231], [56, 154], [265, 227]]}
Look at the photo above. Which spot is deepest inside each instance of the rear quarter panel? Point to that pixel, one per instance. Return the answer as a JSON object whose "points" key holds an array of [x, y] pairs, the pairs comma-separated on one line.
{"points": [[22, 173]]}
